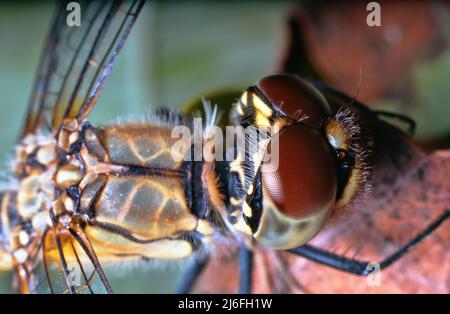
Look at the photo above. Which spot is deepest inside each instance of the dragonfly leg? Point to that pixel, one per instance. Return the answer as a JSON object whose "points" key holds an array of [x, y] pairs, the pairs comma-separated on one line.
{"points": [[359, 267], [191, 275], [245, 269]]}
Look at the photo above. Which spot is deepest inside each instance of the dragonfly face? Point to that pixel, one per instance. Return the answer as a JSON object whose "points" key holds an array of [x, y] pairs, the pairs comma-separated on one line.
{"points": [[86, 196], [315, 149]]}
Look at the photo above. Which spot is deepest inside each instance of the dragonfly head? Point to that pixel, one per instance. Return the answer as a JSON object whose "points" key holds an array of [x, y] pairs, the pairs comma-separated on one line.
{"points": [[297, 184]]}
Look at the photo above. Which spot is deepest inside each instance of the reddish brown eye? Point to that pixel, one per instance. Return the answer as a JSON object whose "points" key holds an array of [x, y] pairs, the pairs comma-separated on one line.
{"points": [[294, 94], [341, 154], [305, 180]]}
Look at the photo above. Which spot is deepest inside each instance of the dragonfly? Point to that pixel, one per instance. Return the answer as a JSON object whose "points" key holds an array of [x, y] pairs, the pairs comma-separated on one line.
{"points": [[81, 197]]}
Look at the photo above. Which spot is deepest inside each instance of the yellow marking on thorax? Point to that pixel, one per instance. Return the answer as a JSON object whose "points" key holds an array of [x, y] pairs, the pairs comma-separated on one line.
{"points": [[261, 120], [240, 224], [239, 109], [141, 145], [41, 221], [95, 168], [46, 155], [236, 166], [28, 197], [261, 107], [244, 98], [129, 201], [68, 175], [128, 204], [142, 159], [234, 201], [160, 210], [107, 246], [204, 227], [250, 190], [247, 209], [69, 134], [94, 146]]}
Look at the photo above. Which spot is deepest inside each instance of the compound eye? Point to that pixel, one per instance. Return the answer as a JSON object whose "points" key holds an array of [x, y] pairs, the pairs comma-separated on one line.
{"points": [[301, 192], [296, 97], [305, 181]]}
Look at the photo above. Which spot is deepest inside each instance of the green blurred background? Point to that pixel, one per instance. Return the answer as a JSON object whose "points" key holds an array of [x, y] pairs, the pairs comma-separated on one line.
{"points": [[176, 52]]}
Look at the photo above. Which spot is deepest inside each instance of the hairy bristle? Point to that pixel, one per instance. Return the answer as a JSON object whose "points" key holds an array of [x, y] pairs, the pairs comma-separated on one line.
{"points": [[360, 147]]}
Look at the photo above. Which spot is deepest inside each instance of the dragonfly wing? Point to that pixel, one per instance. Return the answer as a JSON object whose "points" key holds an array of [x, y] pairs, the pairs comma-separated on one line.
{"points": [[66, 263], [77, 61]]}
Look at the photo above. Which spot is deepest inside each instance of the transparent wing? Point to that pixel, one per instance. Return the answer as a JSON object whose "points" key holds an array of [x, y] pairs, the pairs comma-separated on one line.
{"points": [[77, 61], [65, 263]]}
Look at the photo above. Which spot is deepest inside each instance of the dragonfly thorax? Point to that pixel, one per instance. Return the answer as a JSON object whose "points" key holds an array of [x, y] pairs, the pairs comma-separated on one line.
{"points": [[37, 161], [46, 168]]}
